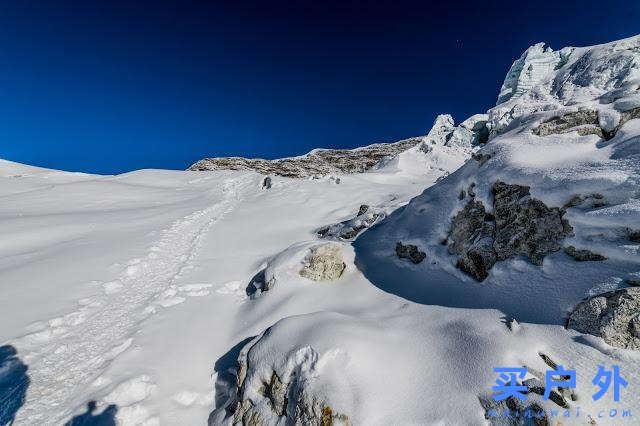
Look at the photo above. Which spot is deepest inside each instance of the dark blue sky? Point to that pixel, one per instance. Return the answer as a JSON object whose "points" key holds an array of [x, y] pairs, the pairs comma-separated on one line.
{"points": [[107, 87]]}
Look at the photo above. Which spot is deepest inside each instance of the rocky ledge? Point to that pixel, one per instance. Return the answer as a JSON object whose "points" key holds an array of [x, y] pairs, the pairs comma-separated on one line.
{"points": [[319, 162]]}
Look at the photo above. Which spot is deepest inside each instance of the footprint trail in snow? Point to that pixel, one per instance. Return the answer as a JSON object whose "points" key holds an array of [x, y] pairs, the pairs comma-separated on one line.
{"points": [[67, 354]]}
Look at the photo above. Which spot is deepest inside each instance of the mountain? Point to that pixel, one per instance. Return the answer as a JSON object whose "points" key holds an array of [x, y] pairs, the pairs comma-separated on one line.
{"points": [[374, 286]]}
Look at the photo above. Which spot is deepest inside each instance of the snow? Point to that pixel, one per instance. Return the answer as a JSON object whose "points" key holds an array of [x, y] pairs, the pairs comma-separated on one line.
{"points": [[134, 291]]}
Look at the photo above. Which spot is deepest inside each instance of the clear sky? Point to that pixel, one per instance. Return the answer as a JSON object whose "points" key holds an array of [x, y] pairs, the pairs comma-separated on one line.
{"points": [[107, 87]]}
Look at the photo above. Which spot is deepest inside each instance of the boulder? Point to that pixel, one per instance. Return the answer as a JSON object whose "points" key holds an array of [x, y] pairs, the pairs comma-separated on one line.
{"points": [[324, 263], [471, 237], [519, 226], [583, 255], [614, 316], [410, 252], [525, 225]]}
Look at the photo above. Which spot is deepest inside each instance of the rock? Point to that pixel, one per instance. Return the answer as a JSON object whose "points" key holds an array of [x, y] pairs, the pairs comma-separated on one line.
{"points": [[634, 235], [584, 121], [286, 397], [471, 237], [526, 226], [520, 225], [481, 158], [324, 263], [583, 255], [349, 229], [266, 183], [594, 200], [633, 281], [612, 316], [410, 252], [319, 162]]}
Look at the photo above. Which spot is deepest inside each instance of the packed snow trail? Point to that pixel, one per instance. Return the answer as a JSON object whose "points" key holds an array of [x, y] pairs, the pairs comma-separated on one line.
{"points": [[70, 352]]}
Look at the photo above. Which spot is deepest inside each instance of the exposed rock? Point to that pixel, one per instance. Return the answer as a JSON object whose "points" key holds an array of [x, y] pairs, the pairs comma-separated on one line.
{"points": [[634, 235], [324, 263], [583, 255], [349, 229], [593, 201], [525, 225], [410, 252], [319, 162], [612, 316], [633, 280], [586, 122], [471, 237], [520, 225], [287, 398], [529, 413], [481, 158], [266, 183], [363, 209]]}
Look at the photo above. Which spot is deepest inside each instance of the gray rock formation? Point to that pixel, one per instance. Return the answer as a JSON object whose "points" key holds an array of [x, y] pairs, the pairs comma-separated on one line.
{"points": [[266, 182], [525, 225], [410, 252], [634, 235], [351, 228], [282, 398], [519, 226], [324, 263], [583, 255], [585, 122], [614, 316], [472, 236], [319, 162]]}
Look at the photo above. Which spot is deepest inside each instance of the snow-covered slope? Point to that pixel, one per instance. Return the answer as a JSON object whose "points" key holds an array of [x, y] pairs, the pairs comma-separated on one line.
{"points": [[333, 297], [126, 289]]}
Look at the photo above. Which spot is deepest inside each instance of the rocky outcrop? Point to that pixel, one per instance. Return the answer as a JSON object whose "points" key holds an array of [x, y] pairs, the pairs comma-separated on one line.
{"points": [[266, 182], [525, 225], [585, 122], [324, 263], [633, 235], [319, 162], [519, 226], [349, 229], [583, 255], [410, 252], [472, 237], [614, 316], [285, 396]]}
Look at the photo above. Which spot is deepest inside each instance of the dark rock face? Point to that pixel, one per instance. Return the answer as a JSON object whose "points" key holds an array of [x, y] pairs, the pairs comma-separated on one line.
{"points": [[614, 316], [520, 225], [472, 237], [410, 252], [634, 235], [266, 183], [319, 162], [582, 255], [526, 226]]}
